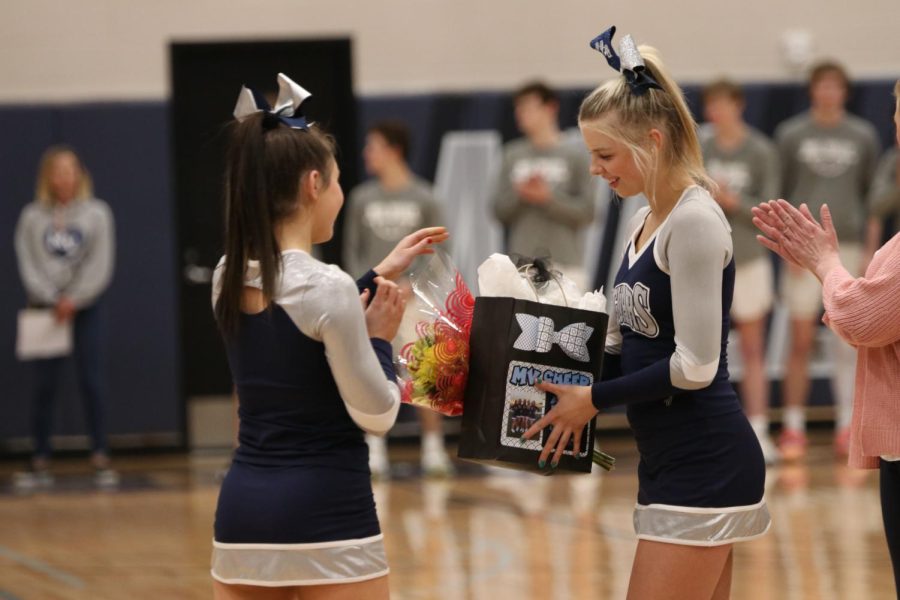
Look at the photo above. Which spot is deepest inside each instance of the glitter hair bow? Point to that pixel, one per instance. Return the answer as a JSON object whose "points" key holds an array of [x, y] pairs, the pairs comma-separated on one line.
{"points": [[287, 108], [628, 61]]}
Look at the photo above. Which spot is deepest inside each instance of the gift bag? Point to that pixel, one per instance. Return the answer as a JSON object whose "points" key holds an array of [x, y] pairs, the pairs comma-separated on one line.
{"points": [[513, 345]]}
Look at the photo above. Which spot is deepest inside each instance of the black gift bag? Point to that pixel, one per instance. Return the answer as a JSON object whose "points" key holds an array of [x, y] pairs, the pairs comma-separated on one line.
{"points": [[514, 344]]}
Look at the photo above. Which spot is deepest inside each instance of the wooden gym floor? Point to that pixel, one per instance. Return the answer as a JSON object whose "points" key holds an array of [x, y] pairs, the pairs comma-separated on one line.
{"points": [[480, 535]]}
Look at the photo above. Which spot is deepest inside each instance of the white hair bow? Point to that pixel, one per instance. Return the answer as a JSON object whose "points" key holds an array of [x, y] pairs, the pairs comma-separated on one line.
{"points": [[287, 108], [628, 62]]}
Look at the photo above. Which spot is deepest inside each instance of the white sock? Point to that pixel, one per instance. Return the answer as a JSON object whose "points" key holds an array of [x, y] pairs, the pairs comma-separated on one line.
{"points": [[377, 445], [843, 381], [760, 425], [844, 415], [795, 418], [432, 441]]}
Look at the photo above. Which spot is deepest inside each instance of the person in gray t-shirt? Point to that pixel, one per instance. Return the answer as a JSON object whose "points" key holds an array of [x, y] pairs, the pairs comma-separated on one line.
{"points": [[391, 205], [381, 212], [745, 166], [884, 198], [65, 246], [828, 156], [543, 194]]}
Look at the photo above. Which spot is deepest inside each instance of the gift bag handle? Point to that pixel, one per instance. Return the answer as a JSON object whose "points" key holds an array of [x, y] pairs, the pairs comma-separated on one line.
{"points": [[523, 271]]}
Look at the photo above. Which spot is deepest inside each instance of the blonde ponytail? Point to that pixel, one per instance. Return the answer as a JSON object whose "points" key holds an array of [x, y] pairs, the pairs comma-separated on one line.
{"points": [[615, 110]]}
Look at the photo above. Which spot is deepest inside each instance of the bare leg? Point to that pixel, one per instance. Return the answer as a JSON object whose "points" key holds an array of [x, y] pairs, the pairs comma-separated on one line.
{"points": [[376, 589], [843, 385], [435, 462], [796, 379], [677, 572], [223, 591], [431, 421], [754, 385], [723, 590], [792, 442]]}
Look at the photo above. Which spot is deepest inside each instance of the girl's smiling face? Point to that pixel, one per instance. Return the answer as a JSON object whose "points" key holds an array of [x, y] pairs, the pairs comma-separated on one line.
{"points": [[612, 160]]}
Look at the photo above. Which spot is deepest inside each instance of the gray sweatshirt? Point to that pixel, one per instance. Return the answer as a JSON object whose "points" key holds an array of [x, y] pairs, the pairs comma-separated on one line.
{"points": [[753, 173], [829, 165], [378, 218], [67, 250], [884, 195], [552, 228]]}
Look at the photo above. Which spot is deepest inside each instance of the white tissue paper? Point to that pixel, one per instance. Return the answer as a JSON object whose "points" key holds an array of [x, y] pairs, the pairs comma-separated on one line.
{"points": [[499, 277]]}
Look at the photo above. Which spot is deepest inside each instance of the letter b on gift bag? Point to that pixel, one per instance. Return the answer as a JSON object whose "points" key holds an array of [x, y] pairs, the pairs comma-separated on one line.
{"points": [[514, 344]]}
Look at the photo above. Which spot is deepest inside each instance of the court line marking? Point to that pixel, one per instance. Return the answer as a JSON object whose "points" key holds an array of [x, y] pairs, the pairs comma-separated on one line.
{"points": [[41, 567]]}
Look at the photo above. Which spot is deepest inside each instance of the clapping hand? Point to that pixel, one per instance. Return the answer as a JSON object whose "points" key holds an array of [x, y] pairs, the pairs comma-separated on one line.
{"points": [[535, 190], [796, 236], [385, 311]]}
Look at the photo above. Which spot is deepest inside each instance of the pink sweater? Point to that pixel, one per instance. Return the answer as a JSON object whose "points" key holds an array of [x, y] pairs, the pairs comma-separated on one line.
{"points": [[866, 313]]}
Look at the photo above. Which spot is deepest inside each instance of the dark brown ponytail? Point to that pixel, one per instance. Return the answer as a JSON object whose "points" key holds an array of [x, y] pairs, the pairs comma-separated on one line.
{"points": [[264, 165]]}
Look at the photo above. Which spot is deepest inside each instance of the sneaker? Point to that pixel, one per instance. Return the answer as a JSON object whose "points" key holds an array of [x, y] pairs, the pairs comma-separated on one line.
{"points": [[24, 481], [38, 476], [435, 462], [379, 464], [104, 475], [770, 452], [792, 444], [842, 443], [106, 478]]}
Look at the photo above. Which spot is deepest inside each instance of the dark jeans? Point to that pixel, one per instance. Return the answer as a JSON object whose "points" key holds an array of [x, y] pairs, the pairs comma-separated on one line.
{"points": [[88, 354], [890, 512]]}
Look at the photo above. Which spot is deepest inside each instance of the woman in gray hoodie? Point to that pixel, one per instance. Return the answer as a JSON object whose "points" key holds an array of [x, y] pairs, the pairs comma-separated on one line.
{"points": [[65, 247]]}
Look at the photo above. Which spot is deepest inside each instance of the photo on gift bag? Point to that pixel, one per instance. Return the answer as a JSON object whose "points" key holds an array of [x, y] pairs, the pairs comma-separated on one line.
{"points": [[585, 434], [523, 405], [522, 415]]}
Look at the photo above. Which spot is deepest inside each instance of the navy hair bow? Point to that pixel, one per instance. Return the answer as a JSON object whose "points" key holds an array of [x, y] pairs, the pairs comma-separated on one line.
{"points": [[630, 63], [287, 108]]}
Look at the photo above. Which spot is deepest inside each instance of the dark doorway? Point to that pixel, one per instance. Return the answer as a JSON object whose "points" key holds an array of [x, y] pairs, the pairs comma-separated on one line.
{"points": [[206, 79]]}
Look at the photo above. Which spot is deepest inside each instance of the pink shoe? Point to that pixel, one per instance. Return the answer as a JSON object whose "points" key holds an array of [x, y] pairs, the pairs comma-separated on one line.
{"points": [[792, 444], [842, 443]]}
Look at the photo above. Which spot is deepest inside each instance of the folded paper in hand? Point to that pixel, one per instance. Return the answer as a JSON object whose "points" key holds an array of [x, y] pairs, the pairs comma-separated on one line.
{"points": [[40, 335]]}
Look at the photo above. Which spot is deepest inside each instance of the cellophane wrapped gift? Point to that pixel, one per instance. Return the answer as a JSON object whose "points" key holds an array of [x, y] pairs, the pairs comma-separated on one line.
{"points": [[433, 360]]}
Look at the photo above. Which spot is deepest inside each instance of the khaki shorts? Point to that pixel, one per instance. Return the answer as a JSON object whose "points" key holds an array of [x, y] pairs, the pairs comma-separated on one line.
{"points": [[802, 292], [754, 290]]}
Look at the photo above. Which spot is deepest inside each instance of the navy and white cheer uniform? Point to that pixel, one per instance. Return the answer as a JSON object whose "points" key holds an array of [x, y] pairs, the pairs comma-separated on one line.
{"points": [[701, 473], [296, 507]]}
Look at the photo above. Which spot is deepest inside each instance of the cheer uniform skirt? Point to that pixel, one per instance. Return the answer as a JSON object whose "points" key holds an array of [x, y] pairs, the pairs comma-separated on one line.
{"points": [[701, 483], [296, 525]]}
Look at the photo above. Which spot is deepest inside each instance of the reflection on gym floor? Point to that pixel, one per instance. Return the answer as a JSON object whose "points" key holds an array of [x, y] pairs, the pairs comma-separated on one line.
{"points": [[480, 535]]}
